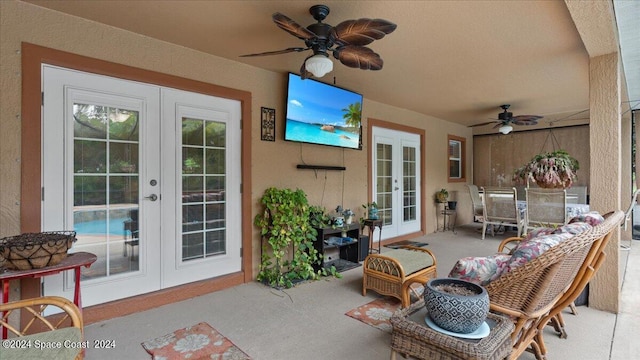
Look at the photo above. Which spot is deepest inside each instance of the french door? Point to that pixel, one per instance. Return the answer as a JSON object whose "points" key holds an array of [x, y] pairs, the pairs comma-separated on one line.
{"points": [[147, 176], [396, 180]]}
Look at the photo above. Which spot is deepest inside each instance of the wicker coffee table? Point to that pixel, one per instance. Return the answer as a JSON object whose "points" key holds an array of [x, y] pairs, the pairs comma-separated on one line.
{"points": [[412, 337]]}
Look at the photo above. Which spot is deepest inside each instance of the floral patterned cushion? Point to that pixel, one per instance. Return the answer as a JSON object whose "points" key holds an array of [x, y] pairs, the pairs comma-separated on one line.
{"points": [[479, 270], [592, 218], [574, 228], [529, 250], [538, 232], [483, 270]]}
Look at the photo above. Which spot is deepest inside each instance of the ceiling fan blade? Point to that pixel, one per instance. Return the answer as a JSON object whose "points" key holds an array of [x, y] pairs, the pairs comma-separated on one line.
{"points": [[525, 122], [292, 27], [526, 119], [358, 57], [277, 52], [485, 123], [361, 32]]}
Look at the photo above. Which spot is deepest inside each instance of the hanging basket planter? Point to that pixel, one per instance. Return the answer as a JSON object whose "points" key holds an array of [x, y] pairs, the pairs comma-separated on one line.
{"points": [[556, 169], [35, 250]]}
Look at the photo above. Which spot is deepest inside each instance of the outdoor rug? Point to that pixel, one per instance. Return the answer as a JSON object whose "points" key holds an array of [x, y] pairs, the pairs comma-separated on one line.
{"points": [[377, 313], [407, 242], [200, 341]]}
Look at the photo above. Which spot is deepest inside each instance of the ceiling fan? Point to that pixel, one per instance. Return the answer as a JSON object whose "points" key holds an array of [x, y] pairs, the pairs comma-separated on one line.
{"points": [[346, 41], [506, 118]]}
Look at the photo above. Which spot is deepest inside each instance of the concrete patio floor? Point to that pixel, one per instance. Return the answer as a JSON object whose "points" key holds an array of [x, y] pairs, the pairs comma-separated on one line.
{"points": [[309, 321]]}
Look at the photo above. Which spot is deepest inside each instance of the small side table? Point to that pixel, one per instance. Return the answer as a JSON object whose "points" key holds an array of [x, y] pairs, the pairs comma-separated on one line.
{"points": [[372, 224], [74, 261], [411, 336], [449, 217]]}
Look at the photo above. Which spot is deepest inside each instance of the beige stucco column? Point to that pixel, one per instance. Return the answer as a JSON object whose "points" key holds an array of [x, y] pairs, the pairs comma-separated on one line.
{"points": [[605, 143]]}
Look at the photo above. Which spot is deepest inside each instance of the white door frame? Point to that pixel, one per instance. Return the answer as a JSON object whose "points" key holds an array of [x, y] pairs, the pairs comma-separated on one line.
{"points": [[53, 173], [397, 139]]}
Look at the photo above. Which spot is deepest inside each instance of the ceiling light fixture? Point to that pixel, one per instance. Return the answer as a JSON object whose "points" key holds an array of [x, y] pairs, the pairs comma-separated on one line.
{"points": [[505, 129], [319, 65]]}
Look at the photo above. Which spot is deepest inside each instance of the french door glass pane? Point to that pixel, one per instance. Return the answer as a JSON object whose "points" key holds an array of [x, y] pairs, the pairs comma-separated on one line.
{"points": [[384, 181], [203, 188], [105, 184], [409, 167]]}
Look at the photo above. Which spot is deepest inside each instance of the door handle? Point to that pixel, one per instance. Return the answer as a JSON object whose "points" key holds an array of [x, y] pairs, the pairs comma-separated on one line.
{"points": [[152, 197]]}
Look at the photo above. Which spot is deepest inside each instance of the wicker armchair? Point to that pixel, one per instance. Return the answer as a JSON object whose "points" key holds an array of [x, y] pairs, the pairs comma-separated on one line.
{"points": [[66, 328], [536, 292]]}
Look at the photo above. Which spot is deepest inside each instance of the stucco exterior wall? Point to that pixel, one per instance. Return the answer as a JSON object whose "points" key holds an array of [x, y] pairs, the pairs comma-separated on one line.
{"points": [[273, 163], [605, 142]]}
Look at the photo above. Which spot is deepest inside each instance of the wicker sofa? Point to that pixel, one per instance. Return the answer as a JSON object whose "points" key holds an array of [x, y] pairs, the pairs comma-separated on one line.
{"points": [[62, 333], [534, 292]]}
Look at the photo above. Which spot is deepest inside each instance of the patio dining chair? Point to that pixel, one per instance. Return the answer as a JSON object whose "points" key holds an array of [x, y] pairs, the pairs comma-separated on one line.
{"points": [[577, 194], [500, 208], [545, 208], [131, 232], [476, 201]]}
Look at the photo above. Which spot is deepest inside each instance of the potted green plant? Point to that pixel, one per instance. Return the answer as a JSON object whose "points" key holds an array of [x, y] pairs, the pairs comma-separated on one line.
{"points": [[442, 195], [348, 216], [318, 217], [555, 169], [371, 210], [288, 254]]}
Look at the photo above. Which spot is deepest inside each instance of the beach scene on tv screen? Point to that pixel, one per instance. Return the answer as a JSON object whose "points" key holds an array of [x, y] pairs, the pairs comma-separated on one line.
{"points": [[322, 114]]}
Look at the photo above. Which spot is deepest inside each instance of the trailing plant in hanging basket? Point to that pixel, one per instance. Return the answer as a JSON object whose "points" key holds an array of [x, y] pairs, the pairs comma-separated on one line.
{"points": [[555, 169]]}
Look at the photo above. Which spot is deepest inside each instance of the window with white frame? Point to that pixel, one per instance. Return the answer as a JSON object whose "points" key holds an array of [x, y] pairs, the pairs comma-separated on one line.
{"points": [[456, 158]]}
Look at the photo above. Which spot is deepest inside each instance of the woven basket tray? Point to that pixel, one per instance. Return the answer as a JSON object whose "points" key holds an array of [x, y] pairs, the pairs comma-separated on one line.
{"points": [[35, 250]]}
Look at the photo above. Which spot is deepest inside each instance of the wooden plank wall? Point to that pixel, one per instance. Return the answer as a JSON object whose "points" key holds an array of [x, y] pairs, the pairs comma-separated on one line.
{"points": [[497, 155]]}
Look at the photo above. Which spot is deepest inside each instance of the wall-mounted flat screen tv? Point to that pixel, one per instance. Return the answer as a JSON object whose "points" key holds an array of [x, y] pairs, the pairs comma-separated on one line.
{"points": [[319, 113]]}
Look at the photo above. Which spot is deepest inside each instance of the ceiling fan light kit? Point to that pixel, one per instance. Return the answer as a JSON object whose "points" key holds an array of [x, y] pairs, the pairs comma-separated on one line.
{"points": [[506, 118], [505, 129], [346, 41], [319, 65]]}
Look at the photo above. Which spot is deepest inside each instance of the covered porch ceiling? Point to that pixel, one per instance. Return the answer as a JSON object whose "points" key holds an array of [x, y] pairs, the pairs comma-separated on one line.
{"points": [[455, 60]]}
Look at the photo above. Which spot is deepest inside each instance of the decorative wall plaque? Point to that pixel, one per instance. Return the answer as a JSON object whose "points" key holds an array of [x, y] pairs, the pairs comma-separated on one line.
{"points": [[268, 124]]}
